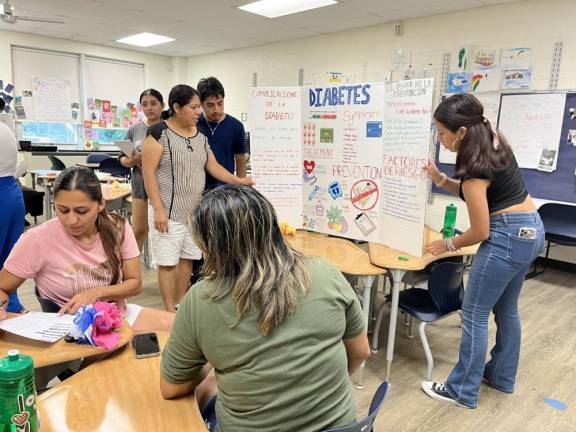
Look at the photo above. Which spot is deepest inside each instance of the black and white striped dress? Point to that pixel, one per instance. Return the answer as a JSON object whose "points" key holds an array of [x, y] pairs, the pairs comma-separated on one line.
{"points": [[180, 173]]}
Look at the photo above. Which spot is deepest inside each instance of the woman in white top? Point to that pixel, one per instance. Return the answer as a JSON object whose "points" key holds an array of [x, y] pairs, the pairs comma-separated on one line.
{"points": [[11, 202], [152, 104]]}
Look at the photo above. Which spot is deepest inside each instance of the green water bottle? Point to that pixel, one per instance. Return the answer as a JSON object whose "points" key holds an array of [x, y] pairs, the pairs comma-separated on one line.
{"points": [[449, 221], [17, 394]]}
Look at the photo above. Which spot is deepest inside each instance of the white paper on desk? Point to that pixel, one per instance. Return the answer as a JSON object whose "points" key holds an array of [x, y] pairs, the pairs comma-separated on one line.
{"points": [[46, 327], [126, 146]]}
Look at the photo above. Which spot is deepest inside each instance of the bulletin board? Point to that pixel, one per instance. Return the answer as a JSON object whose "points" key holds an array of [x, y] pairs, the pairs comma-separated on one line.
{"points": [[558, 185]]}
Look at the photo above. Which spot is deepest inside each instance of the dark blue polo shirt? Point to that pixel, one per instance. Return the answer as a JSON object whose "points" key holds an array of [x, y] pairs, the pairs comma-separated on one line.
{"points": [[226, 139]]}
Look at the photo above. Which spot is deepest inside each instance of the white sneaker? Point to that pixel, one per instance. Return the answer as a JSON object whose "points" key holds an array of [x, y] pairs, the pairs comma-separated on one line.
{"points": [[437, 390]]}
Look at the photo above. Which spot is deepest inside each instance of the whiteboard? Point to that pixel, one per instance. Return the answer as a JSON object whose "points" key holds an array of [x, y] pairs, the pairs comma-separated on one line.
{"points": [[491, 103], [532, 123]]}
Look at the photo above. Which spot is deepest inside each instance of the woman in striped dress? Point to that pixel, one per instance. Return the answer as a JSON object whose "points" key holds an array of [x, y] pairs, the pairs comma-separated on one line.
{"points": [[175, 156]]}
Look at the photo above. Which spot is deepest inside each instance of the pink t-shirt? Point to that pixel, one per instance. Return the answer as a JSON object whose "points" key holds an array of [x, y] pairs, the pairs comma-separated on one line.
{"points": [[62, 266]]}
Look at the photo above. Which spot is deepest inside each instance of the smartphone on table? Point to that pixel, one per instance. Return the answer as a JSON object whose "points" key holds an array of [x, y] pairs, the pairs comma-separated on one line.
{"points": [[146, 345]]}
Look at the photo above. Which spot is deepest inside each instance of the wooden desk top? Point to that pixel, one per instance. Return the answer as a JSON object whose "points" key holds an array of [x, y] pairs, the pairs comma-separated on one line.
{"points": [[385, 257], [342, 253], [117, 393], [110, 193], [47, 354]]}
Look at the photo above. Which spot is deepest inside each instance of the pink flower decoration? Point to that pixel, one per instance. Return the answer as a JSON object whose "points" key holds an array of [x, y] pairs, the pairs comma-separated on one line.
{"points": [[108, 318]]}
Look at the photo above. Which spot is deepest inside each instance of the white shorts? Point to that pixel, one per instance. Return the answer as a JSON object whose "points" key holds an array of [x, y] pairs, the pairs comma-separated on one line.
{"points": [[168, 248], [131, 313]]}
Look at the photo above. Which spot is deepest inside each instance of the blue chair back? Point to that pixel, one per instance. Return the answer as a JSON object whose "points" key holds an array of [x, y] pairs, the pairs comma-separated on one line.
{"points": [[57, 164], [113, 167], [97, 157], [446, 287], [559, 219], [367, 424]]}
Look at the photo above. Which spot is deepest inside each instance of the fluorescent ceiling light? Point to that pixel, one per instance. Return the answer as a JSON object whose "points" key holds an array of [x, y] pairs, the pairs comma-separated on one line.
{"points": [[276, 8], [145, 39]]}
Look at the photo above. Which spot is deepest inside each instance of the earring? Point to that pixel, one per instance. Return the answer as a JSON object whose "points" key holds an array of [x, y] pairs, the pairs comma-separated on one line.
{"points": [[453, 145]]}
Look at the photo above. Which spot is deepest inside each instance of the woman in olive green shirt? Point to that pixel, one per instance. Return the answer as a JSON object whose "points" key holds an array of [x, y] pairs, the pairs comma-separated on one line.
{"points": [[282, 331]]}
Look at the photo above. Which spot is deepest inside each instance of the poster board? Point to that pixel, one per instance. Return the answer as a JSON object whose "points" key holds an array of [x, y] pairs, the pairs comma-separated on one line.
{"points": [[52, 99], [532, 123], [358, 154], [276, 149]]}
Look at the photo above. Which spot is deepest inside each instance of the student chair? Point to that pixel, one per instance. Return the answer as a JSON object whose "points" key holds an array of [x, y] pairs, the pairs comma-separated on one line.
{"points": [[57, 164], [97, 157], [442, 298], [113, 167], [366, 425], [560, 226], [45, 304]]}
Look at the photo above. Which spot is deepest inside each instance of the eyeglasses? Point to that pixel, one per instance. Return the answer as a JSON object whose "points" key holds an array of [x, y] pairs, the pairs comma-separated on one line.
{"points": [[189, 144]]}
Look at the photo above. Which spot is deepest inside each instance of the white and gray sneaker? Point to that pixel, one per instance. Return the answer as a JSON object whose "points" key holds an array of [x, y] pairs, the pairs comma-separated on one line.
{"points": [[437, 390]]}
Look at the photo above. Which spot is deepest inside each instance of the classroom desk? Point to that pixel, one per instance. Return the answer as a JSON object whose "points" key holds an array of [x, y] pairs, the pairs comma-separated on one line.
{"points": [[118, 393], [348, 258], [47, 177], [91, 165], [386, 257], [49, 354]]}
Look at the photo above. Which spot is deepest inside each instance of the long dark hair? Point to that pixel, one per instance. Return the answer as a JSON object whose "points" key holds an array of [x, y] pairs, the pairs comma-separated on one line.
{"points": [[109, 225], [246, 255], [482, 150], [180, 94], [152, 92]]}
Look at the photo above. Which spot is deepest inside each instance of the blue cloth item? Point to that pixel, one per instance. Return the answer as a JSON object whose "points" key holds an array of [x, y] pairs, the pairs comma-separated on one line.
{"points": [[226, 141], [208, 413], [494, 284], [11, 226]]}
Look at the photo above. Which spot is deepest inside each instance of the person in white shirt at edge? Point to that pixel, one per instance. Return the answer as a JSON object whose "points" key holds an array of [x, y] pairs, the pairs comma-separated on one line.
{"points": [[11, 202], [175, 156]]}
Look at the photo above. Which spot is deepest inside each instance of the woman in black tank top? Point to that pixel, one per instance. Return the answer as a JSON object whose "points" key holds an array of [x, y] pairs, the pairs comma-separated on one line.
{"points": [[504, 220]]}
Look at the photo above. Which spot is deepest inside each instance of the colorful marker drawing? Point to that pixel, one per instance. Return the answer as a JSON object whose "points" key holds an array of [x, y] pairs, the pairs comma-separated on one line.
{"points": [[335, 189]]}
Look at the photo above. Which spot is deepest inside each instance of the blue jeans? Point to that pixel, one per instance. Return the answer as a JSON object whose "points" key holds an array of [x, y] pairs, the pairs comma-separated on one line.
{"points": [[494, 284], [11, 226]]}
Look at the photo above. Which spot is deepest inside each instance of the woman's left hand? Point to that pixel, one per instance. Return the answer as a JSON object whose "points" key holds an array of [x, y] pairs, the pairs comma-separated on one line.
{"points": [[84, 298], [437, 247], [247, 181]]}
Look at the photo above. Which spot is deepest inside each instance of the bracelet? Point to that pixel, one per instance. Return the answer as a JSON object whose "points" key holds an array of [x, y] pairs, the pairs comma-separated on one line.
{"points": [[450, 244], [443, 180]]}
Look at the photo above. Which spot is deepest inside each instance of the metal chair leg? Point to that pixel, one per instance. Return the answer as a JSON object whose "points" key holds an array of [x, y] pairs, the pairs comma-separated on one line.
{"points": [[409, 333], [429, 358]]}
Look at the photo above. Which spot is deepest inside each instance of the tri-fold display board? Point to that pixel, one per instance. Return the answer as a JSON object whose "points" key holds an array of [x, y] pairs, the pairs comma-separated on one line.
{"points": [[346, 160]]}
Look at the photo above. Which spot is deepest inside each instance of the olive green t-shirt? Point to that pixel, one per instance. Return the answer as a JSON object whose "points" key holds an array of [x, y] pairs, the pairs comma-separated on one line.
{"points": [[293, 379]]}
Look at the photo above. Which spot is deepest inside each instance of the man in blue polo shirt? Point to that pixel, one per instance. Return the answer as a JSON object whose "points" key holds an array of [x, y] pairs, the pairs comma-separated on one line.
{"points": [[225, 133]]}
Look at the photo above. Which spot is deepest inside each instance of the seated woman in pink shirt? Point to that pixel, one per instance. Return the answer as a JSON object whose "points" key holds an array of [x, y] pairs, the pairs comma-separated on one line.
{"points": [[83, 255]]}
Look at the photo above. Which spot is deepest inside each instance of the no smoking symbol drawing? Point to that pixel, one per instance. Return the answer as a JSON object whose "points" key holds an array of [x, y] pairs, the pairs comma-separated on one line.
{"points": [[364, 195]]}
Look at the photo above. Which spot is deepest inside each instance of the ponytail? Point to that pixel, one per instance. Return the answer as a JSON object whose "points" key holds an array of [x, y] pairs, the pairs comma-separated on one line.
{"points": [[111, 229], [166, 114]]}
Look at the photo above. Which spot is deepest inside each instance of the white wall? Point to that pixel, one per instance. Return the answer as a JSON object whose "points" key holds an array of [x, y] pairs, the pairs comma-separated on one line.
{"points": [[364, 54], [161, 72]]}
